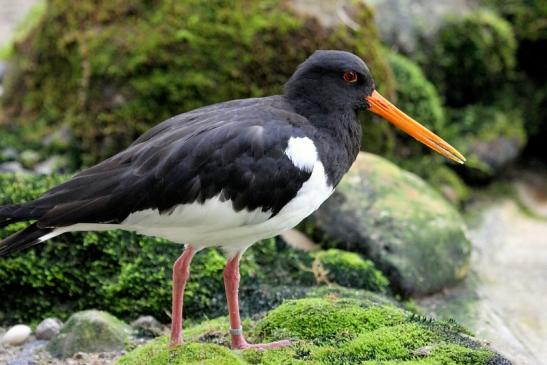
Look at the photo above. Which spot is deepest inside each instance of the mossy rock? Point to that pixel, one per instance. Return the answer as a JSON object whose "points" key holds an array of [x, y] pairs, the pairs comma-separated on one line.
{"points": [[109, 70], [328, 330], [348, 269], [490, 138], [398, 221], [90, 331], [472, 59]]}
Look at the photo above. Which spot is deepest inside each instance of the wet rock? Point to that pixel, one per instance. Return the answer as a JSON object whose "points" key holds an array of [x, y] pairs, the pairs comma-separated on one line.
{"points": [[48, 328], [148, 326], [16, 335], [401, 223], [90, 331]]}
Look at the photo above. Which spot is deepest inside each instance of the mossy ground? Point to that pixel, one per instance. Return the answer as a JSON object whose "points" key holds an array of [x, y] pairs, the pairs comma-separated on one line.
{"points": [[327, 330]]}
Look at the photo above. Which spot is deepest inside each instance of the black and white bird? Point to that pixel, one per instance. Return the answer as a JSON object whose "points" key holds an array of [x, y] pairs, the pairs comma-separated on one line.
{"points": [[225, 175]]}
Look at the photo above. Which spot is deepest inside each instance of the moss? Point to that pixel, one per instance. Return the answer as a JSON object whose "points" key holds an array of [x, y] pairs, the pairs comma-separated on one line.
{"points": [[349, 331], [415, 94], [472, 58], [157, 352], [325, 321], [111, 69], [349, 269], [386, 343]]}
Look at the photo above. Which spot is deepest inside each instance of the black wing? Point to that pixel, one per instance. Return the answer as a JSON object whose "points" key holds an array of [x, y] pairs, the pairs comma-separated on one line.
{"points": [[234, 149]]}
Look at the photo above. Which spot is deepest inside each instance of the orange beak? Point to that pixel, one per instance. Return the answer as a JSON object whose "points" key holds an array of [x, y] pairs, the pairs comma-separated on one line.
{"points": [[388, 111]]}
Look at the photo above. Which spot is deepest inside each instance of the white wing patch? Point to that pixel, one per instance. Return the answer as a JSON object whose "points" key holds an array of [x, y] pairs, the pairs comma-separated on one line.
{"points": [[302, 152]]}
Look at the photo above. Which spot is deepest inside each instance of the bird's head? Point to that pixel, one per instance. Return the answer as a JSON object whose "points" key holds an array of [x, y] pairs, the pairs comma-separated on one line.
{"points": [[337, 80]]}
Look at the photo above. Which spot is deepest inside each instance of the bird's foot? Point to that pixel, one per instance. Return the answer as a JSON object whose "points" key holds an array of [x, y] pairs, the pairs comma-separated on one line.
{"points": [[241, 344]]}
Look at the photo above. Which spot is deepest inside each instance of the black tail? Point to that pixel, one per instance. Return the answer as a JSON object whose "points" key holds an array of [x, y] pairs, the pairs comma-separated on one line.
{"points": [[27, 237]]}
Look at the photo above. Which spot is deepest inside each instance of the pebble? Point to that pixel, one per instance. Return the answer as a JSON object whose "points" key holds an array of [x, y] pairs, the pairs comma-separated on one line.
{"points": [[16, 335], [48, 328]]}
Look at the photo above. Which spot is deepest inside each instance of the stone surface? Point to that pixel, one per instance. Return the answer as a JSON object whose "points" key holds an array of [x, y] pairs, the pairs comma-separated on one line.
{"points": [[48, 328], [148, 326], [90, 331], [16, 335], [402, 23], [396, 219], [503, 300]]}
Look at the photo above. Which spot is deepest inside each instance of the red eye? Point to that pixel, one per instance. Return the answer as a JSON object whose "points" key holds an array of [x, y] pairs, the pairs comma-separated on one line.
{"points": [[350, 76]]}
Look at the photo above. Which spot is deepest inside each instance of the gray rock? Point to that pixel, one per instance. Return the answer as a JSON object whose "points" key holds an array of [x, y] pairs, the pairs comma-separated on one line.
{"points": [[401, 223], [496, 153], [90, 331], [9, 154], [148, 326], [12, 166], [3, 68], [402, 23], [50, 165], [48, 328]]}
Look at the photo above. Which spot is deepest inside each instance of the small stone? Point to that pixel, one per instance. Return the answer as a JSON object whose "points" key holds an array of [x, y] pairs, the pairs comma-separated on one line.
{"points": [[148, 326], [16, 335], [423, 351], [48, 328], [12, 166]]}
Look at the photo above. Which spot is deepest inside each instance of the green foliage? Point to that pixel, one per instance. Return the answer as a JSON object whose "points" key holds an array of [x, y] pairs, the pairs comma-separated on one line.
{"points": [[350, 270], [472, 58], [111, 69], [416, 96], [333, 331], [529, 18]]}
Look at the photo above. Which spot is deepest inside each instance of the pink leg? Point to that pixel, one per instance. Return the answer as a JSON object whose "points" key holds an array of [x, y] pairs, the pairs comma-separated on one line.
{"points": [[181, 272], [231, 284]]}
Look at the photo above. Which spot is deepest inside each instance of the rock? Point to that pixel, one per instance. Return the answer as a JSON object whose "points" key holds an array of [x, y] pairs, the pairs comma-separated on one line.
{"points": [[148, 326], [50, 165], [29, 158], [48, 328], [404, 23], [3, 68], [397, 220], [16, 335], [327, 330], [90, 331], [12, 166], [9, 154]]}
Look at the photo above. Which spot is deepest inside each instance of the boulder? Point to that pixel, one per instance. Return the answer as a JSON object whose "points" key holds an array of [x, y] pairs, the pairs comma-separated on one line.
{"points": [[326, 330], [48, 328], [90, 331], [400, 222], [16, 335]]}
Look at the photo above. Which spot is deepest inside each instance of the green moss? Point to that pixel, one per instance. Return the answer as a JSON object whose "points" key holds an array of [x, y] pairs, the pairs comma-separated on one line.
{"points": [[349, 269], [325, 320], [330, 331], [472, 58], [415, 94], [386, 343], [157, 352], [111, 69]]}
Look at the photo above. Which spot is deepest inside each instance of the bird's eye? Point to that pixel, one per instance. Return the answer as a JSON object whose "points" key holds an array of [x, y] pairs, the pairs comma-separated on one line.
{"points": [[350, 76]]}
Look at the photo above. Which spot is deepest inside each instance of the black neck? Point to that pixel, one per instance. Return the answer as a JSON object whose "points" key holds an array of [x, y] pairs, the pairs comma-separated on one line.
{"points": [[337, 135]]}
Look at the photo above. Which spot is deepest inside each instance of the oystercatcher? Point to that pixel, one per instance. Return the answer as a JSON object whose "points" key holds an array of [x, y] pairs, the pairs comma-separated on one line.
{"points": [[225, 175]]}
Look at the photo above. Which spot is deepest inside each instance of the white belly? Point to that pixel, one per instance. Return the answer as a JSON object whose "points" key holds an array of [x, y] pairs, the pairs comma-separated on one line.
{"points": [[216, 223]]}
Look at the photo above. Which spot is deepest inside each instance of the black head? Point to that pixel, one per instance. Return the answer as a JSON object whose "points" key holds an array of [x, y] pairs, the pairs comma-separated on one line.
{"points": [[330, 81], [337, 81]]}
